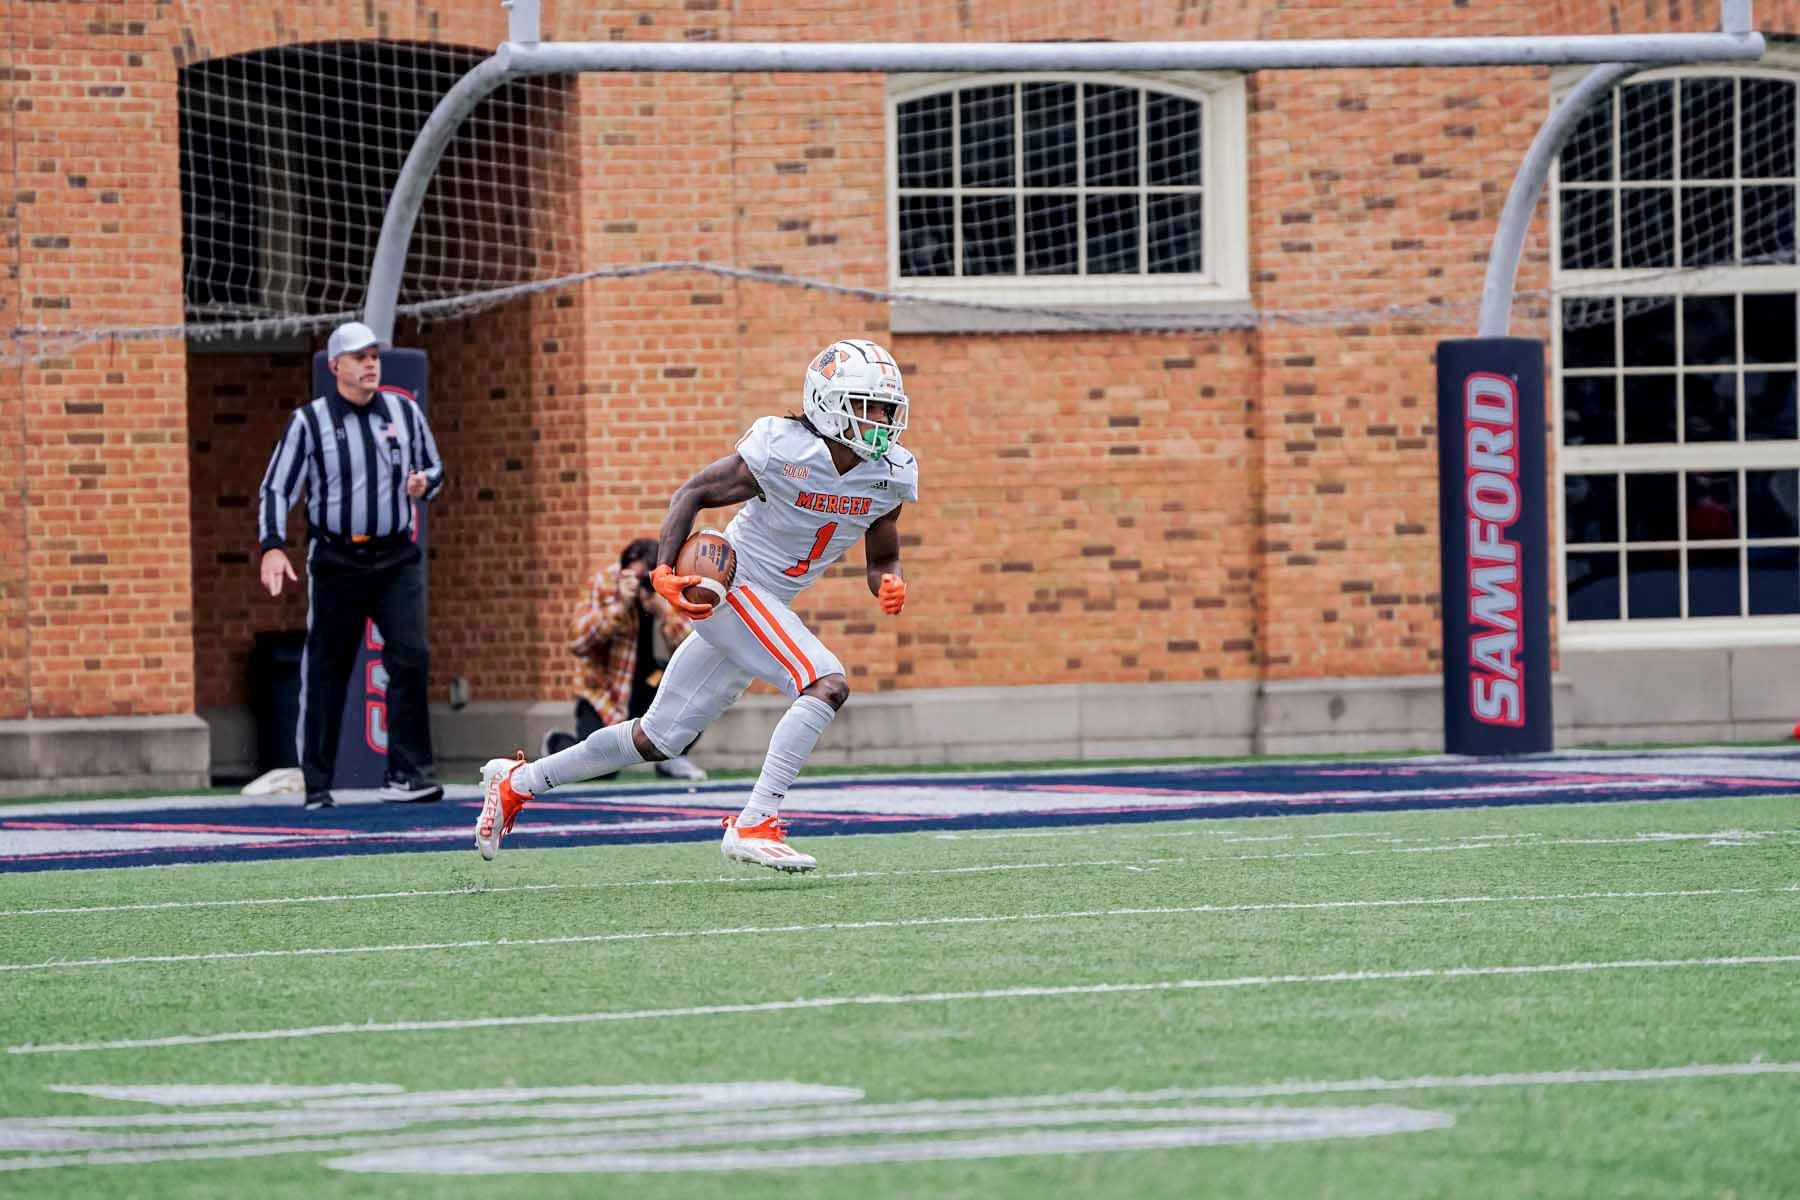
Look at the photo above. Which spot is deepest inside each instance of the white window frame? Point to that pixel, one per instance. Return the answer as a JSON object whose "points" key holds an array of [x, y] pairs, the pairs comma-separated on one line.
{"points": [[1223, 288], [1782, 62]]}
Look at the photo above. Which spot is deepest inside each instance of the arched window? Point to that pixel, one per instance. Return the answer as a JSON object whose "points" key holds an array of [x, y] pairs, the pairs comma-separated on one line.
{"points": [[1082, 191]]}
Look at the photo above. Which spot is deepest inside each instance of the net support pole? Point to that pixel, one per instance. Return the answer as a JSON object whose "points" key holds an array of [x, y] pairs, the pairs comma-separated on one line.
{"points": [[1493, 486], [389, 264]]}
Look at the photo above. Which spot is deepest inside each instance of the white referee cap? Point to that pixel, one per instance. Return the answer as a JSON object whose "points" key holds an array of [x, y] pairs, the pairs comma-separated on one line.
{"points": [[350, 337]]}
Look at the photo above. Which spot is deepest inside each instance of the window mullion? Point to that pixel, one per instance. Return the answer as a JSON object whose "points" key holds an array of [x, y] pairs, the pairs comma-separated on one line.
{"points": [[1617, 183], [1143, 180], [1743, 541], [1081, 241], [956, 197], [1018, 180]]}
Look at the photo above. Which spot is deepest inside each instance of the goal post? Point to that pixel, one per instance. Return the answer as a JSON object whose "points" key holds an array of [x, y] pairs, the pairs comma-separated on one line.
{"points": [[522, 56], [1494, 486], [1493, 480]]}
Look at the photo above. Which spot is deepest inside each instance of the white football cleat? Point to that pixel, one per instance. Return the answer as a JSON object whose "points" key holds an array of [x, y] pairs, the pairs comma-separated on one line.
{"points": [[500, 804], [764, 844]]}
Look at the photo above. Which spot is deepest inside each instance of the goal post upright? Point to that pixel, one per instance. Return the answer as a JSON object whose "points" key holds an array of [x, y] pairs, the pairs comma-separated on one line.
{"points": [[1493, 485], [1493, 477], [1494, 573]]}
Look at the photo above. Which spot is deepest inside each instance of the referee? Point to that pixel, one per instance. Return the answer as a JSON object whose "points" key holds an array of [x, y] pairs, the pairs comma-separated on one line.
{"points": [[364, 455]]}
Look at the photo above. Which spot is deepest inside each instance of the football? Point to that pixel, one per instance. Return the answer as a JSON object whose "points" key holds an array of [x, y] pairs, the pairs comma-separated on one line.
{"points": [[708, 555]]}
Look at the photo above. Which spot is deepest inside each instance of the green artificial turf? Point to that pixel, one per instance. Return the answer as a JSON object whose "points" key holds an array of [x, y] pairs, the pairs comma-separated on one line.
{"points": [[1154, 963]]}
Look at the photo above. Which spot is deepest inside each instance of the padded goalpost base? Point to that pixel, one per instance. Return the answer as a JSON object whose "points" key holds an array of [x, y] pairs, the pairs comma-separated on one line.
{"points": [[1494, 546]]}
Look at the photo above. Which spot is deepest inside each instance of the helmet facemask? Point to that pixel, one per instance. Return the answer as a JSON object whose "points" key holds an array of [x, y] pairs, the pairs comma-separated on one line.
{"points": [[871, 438]]}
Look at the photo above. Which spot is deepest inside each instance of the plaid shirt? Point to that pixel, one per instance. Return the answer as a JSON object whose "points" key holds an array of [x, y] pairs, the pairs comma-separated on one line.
{"points": [[605, 638]]}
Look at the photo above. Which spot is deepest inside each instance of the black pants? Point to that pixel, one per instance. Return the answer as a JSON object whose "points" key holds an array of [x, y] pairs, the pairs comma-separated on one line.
{"points": [[351, 585]]}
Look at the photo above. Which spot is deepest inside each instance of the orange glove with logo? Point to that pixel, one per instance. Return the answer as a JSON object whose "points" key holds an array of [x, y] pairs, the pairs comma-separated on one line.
{"points": [[669, 585], [892, 595]]}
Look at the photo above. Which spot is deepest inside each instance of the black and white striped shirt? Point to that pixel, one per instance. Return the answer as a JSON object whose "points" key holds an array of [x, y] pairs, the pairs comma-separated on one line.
{"points": [[354, 463]]}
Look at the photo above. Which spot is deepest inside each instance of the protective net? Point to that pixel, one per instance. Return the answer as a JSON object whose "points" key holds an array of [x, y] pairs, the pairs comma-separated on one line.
{"points": [[288, 157], [1101, 200], [1674, 177]]}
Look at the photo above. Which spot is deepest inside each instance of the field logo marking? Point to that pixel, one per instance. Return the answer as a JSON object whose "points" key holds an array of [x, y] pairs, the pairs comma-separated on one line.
{"points": [[378, 1128], [383, 1128]]}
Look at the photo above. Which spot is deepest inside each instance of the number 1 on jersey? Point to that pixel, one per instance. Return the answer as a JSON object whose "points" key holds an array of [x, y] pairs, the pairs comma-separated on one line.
{"points": [[818, 547]]}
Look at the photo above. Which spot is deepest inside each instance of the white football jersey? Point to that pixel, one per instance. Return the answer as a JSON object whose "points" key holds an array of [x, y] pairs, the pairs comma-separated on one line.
{"points": [[808, 514]]}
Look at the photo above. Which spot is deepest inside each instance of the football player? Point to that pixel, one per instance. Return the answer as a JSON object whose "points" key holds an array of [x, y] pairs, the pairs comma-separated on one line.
{"points": [[811, 485]]}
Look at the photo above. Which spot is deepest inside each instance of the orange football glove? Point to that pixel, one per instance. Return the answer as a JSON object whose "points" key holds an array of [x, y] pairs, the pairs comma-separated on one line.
{"points": [[892, 595], [668, 585]]}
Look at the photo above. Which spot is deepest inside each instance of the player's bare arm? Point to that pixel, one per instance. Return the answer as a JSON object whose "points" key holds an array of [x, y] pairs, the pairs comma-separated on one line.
{"points": [[881, 547], [725, 482]]}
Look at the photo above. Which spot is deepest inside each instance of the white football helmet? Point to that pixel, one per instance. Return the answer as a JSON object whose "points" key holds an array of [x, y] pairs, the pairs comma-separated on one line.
{"points": [[842, 382]]}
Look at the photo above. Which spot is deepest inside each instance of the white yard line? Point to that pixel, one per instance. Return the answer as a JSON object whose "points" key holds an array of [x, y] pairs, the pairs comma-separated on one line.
{"points": [[879, 1000], [1497, 841], [1481, 843], [740, 878], [908, 923]]}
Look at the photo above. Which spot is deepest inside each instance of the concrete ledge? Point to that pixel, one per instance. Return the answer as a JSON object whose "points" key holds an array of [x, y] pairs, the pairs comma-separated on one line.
{"points": [[948, 725], [1601, 698], [1064, 721], [1659, 688], [111, 754], [1404, 712], [232, 733], [1763, 686]]}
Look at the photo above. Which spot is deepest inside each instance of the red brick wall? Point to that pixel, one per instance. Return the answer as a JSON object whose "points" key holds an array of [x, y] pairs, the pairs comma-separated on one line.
{"points": [[1402, 212], [97, 204], [1119, 507], [14, 609]]}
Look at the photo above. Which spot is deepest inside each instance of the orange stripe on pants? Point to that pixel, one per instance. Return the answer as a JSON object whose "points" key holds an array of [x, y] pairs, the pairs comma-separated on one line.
{"points": [[750, 624], [812, 676]]}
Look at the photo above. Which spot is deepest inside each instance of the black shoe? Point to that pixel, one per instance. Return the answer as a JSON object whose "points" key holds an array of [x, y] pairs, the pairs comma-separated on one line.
{"points": [[317, 800], [411, 789], [555, 742]]}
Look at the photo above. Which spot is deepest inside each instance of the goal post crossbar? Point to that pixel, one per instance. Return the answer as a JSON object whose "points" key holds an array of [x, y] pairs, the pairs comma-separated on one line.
{"points": [[548, 58], [522, 57]]}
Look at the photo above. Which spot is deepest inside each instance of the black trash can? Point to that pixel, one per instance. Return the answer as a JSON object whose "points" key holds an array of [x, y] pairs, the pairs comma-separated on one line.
{"points": [[275, 696]]}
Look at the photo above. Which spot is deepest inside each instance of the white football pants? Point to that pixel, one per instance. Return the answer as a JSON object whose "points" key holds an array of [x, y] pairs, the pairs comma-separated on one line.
{"points": [[751, 635]]}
